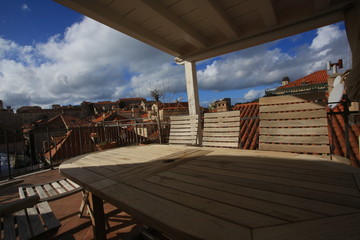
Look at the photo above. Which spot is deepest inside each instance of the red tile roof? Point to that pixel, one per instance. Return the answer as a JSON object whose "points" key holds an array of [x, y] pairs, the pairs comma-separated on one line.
{"points": [[249, 125], [313, 78]]}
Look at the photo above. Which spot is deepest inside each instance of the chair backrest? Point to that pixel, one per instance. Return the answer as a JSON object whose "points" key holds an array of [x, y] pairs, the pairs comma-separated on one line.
{"points": [[184, 130], [221, 129], [50, 191], [294, 123]]}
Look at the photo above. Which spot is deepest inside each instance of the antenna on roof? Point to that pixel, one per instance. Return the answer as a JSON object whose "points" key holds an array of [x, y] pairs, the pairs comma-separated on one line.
{"points": [[334, 65]]}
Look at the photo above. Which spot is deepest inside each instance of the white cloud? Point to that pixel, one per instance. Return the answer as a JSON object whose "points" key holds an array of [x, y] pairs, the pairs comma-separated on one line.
{"points": [[93, 62], [253, 94], [265, 64], [90, 62], [326, 36]]}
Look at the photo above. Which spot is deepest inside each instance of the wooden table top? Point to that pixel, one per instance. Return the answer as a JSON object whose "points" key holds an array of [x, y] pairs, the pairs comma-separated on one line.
{"points": [[217, 193]]}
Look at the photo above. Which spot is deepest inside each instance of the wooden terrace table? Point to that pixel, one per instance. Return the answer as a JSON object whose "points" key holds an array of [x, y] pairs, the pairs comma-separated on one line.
{"points": [[216, 193]]}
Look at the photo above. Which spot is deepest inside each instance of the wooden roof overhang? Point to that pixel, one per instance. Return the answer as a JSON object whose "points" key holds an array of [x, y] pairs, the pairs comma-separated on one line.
{"points": [[194, 30]]}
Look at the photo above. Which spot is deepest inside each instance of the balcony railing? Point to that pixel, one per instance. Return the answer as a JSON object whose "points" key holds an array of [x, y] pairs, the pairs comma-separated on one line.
{"points": [[42, 148]]}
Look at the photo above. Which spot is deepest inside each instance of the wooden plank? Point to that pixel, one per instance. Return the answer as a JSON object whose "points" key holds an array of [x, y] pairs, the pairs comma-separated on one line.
{"points": [[220, 144], [219, 134], [185, 126], [40, 191], [184, 130], [285, 199], [183, 137], [48, 216], [35, 221], [273, 171], [138, 173], [275, 210], [295, 123], [220, 129], [183, 222], [185, 117], [330, 228], [221, 120], [291, 98], [182, 141], [320, 113], [222, 114], [23, 225], [73, 183], [58, 187], [205, 205], [221, 139], [277, 180], [292, 107], [9, 227], [21, 192], [295, 148], [66, 185], [183, 133], [293, 165], [294, 139], [50, 190], [225, 124], [307, 193], [295, 131]]}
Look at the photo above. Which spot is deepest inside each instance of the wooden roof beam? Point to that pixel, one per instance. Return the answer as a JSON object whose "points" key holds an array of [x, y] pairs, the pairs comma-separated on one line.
{"points": [[190, 35], [105, 15], [321, 4], [267, 12], [218, 17]]}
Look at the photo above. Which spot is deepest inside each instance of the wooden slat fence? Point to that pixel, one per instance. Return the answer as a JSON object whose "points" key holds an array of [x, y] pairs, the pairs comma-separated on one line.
{"points": [[221, 129], [184, 130], [296, 123]]}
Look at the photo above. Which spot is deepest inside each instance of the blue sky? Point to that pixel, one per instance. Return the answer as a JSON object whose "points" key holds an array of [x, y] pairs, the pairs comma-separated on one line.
{"points": [[50, 54]]}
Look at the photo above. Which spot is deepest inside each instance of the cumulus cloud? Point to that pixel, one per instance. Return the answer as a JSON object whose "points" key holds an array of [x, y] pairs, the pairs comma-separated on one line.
{"points": [[93, 62], [266, 64], [89, 62]]}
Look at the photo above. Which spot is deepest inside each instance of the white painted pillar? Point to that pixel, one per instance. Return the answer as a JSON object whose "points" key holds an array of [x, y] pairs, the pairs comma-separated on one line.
{"points": [[192, 88]]}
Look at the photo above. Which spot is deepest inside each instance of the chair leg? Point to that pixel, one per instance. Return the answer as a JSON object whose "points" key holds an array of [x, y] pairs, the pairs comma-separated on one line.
{"points": [[84, 203]]}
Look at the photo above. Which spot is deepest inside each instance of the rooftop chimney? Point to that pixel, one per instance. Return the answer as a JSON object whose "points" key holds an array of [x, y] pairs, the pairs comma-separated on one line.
{"points": [[285, 81]]}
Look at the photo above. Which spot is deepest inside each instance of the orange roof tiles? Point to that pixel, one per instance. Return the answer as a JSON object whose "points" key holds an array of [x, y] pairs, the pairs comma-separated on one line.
{"points": [[249, 125], [313, 78]]}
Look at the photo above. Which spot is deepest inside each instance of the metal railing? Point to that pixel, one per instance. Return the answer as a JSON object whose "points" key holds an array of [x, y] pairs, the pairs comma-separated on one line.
{"points": [[42, 148]]}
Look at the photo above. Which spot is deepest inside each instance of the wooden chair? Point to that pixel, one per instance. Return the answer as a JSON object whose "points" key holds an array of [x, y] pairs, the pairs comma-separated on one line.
{"points": [[294, 123], [221, 129], [184, 130], [27, 219], [54, 190]]}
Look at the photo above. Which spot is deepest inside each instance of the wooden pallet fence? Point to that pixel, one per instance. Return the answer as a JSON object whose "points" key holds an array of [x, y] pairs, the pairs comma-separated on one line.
{"points": [[184, 130], [221, 129], [296, 123]]}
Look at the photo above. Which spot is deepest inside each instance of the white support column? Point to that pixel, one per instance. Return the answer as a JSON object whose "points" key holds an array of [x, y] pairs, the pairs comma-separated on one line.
{"points": [[192, 88]]}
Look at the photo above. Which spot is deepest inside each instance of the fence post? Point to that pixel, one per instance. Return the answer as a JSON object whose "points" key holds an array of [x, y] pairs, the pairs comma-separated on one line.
{"points": [[8, 155], [48, 138]]}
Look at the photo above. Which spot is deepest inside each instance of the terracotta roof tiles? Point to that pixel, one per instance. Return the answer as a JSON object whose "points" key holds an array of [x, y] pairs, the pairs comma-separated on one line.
{"points": [[314, 78]]}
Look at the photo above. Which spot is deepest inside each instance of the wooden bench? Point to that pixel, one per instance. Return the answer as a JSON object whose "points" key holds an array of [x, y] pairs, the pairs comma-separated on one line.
{"points": [[184, 130], [221, 129], [27, 218]]}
